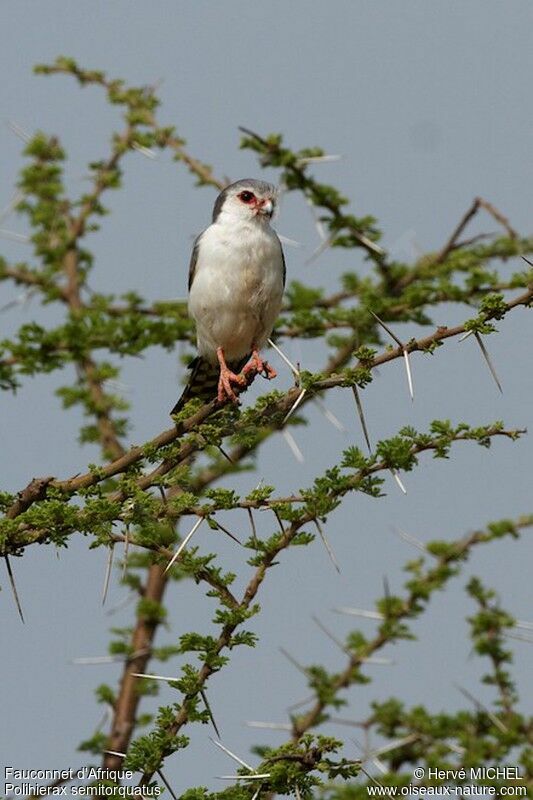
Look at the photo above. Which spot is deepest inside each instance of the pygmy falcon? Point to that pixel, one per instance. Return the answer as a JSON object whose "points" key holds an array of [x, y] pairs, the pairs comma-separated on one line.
{"points": [[236, 282]]}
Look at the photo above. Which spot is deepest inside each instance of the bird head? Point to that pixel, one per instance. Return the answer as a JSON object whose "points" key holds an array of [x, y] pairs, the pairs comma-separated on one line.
{"points": [[244, 201]]}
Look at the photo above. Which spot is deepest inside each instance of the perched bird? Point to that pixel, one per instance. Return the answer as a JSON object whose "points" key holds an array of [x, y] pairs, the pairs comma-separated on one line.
{"points": [[236, 282]]}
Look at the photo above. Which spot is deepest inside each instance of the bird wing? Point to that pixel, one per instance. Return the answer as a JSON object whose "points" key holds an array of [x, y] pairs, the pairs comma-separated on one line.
{"points": [[194, 259], [282, 261]]}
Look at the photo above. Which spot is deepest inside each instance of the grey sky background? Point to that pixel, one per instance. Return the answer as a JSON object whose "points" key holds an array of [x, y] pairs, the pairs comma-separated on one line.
{"points": [[429, 104]]}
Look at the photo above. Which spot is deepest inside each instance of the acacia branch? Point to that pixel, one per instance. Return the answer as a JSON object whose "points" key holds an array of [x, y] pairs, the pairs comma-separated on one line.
{"points": [[356, 660], [457, 552], [274, 410]]}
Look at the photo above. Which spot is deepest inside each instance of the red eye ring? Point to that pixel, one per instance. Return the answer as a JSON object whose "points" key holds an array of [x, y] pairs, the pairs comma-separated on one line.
{"points": [[247, 197]]}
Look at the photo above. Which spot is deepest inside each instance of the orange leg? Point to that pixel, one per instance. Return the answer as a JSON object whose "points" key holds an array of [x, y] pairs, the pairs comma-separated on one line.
{"points": [[227, 377], [256, 363]]}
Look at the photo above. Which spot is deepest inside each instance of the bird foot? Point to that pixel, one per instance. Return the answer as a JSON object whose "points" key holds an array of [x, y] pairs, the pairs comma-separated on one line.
{"points": [[256, 364], [225, 390], [226, 378]]}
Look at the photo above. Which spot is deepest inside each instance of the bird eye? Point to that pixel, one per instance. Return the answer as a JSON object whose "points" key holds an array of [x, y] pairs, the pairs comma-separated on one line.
{"points": [[247, 197]]}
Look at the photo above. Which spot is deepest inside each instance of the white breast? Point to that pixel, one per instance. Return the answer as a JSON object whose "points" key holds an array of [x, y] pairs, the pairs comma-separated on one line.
{"points": [[237, 288]]}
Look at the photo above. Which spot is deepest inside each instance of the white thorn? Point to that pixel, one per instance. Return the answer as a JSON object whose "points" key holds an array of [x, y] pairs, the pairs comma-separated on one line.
{"points": [[17, 197], [108, 573], [297, 453], [20, 300], [488, 360], [325, 159], [465, 336], [398, 481], [456, 749], [329, 415], [145, 151], [15, 237], [18, 131], [256, 777], [386, 328], [322, 247], [518, 637], [379, 765], [520, 623], [105, 717], [115, 753], [409, 376], [275, 726], [370, 244], [119, 386], [294, 662], [359, 612], [153, 677], [232, 755], [412, 737], [411, 539], [281, 354], [319, 225], [289, 242], [184, 543], [167, 784], [327, 545], [300, 703], [294, 406], [14, 587], [98, 660], [493, 718], [369, 776], [126, 549], [122, 603], [361, 415]]}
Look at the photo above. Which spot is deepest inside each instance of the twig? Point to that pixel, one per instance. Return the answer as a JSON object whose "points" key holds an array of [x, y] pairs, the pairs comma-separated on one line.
{"points": [[136, 454], [252, 523], [470, 213]]}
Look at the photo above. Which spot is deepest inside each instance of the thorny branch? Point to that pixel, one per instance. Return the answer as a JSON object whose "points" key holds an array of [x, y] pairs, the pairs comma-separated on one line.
{"points": [[140, 106], [472, 211], [278, 407], [346, 677]]}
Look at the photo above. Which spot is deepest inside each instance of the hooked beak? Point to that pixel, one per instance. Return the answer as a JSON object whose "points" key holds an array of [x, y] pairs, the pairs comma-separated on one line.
{"points": [[265, 208]]}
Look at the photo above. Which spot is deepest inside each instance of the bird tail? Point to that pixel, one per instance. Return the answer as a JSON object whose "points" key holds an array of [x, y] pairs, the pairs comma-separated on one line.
{"points": [[203, 381]]}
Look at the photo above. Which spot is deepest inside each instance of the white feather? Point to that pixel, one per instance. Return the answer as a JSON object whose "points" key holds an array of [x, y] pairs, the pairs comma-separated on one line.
{"points": [[237, 289]]}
